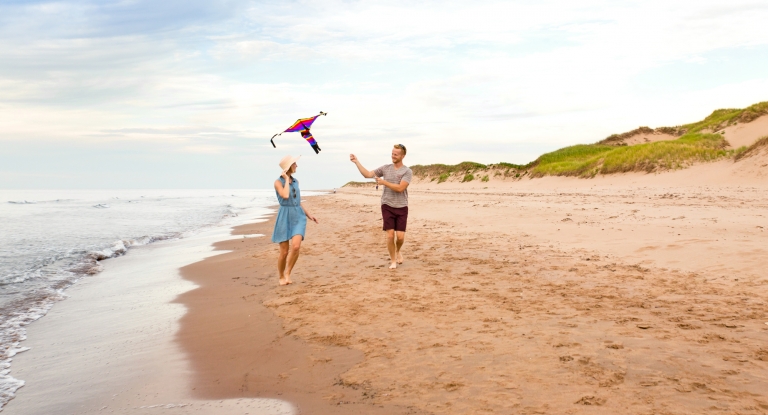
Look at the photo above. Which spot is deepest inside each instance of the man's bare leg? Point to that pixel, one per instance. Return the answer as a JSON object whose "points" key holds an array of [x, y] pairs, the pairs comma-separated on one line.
{"points": [[293, 256], [399, 244], [392, 248], [281, 261]]}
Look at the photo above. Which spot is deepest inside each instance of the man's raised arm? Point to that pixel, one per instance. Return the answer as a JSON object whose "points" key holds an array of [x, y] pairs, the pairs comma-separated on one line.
{"points": [[363, 171]]}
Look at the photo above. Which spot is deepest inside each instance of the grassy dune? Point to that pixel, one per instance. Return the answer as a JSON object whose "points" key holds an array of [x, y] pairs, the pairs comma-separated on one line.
{"points": [[590, 160], [722, 118], [698, 142], [469, 171]]}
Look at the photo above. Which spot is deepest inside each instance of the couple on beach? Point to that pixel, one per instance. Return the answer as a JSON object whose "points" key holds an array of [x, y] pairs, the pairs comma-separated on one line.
{"points": [[291, 221]]}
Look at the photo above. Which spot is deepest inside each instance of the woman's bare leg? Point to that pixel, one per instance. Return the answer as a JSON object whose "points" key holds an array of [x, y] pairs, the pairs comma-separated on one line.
{"points": [[293, 256], [281, 262]]}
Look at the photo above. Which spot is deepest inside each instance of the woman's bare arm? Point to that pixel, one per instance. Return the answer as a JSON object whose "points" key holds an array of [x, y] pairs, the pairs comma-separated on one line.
{"points": [[309, 214], [283, 190]]}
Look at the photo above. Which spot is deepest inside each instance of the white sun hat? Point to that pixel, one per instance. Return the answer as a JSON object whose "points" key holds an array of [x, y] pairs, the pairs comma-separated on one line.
{"points": [[287, 162]]}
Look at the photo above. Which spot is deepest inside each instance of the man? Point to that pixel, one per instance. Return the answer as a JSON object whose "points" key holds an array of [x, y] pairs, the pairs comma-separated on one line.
{"points": [[395, 178]]}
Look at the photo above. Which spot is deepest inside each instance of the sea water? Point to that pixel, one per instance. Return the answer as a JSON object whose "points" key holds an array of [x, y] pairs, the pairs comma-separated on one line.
{"points": [[50, 239]]}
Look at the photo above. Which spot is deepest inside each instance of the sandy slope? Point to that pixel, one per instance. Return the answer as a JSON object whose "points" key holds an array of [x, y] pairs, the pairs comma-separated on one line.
{"points": [[746, 134], [649, 138], [737, 135]]}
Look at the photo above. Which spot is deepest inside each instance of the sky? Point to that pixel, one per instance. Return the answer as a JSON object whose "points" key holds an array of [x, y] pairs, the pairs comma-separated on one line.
{"points": [[186, 94]]}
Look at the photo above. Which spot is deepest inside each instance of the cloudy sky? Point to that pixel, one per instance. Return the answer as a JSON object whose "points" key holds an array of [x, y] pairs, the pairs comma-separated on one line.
{"points": [[186, 94]]}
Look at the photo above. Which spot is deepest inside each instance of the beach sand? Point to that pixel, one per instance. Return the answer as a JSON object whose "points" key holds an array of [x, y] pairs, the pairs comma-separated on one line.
{"points": [[630, 294]]}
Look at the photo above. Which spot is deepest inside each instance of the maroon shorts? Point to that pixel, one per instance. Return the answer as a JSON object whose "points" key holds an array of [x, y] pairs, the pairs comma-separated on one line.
{"points": [[394, 218]]}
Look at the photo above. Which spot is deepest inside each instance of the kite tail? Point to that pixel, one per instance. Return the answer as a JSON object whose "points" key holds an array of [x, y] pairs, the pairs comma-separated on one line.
{"points": [[316, 148]]}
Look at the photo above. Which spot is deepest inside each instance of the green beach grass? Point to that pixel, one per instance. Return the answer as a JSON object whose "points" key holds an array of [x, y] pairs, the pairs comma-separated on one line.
{"points": [[722, 118], [697, 142], [588, 160]]}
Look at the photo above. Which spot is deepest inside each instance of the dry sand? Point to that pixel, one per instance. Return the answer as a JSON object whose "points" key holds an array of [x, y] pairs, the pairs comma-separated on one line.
{"points": [[627, 294], [745, 134]]}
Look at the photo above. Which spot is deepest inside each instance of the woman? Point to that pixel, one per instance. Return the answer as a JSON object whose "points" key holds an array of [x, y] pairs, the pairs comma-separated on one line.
{"points": [[291, 219]]}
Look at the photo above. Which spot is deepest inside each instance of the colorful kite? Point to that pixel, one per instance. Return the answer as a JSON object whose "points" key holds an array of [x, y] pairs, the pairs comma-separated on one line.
{"points": [[303, 125]]}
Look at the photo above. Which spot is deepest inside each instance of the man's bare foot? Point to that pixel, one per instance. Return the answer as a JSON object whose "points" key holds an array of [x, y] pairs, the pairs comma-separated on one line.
{"points": [[283, 281], [393, 265], [399, 258]]}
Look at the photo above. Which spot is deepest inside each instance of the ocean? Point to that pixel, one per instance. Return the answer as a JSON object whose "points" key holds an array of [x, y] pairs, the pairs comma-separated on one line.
{"points": [[50, 239]]}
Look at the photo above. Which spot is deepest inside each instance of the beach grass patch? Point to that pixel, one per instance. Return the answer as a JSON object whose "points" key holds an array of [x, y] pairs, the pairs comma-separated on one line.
{"points": [[715, 122], [443, 177], [743, 152], [468, 178], [589, 160], [722, 118], [508, 166], [485, 178], [358, 184], [436, 170]]}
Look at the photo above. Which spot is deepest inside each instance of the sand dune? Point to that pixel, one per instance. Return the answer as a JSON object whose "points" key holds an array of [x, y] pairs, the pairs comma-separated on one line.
{"points": [[738, 135]]}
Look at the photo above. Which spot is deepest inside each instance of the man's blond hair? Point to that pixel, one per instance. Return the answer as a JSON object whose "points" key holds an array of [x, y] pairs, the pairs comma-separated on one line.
{"points": [[401, 147]]}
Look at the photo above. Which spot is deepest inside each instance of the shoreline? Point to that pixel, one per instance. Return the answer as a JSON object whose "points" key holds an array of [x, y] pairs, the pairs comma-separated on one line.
{"points": [[110, 346]]}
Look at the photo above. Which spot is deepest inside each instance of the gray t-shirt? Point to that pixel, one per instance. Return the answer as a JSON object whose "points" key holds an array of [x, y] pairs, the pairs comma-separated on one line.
{"points": [[390, 197]]}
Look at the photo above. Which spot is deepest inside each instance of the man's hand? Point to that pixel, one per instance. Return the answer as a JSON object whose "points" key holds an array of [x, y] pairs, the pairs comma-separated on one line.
{"points": [[380, 180], [367, 174]]}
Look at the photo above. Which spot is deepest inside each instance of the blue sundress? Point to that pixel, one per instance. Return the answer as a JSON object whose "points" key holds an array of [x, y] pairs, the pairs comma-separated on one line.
{"points": [[291, 220]]}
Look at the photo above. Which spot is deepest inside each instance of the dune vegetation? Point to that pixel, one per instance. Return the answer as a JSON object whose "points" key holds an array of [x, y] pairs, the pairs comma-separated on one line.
{"points": [[753, 149], [590, 160], [698, 142]]}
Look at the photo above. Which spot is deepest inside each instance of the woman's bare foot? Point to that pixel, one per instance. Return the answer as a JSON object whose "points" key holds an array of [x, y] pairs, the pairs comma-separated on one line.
{"points": [[283, 281], [288, 278], [393, 265], [399, 258]]}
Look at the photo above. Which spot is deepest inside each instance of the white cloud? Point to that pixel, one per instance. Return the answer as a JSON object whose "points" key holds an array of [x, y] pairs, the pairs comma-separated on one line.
{"points": [[509, 78]]}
